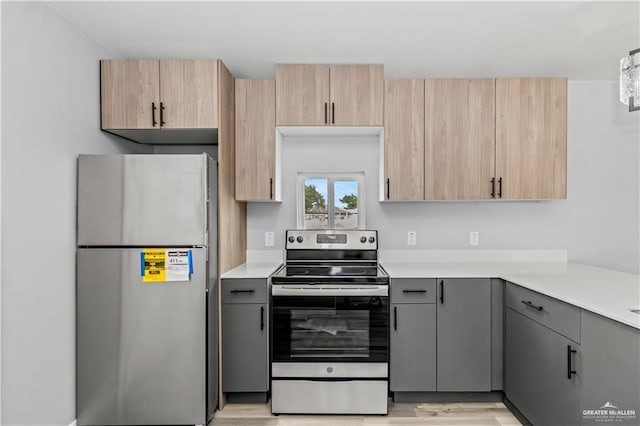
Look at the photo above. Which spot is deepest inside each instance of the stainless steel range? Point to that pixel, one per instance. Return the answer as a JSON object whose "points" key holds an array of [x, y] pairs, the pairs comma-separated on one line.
{"points": [[330, 337]]}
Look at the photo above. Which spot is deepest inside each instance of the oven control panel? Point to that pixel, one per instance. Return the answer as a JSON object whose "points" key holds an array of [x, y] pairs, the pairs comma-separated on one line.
{"points": [[332, 239]]}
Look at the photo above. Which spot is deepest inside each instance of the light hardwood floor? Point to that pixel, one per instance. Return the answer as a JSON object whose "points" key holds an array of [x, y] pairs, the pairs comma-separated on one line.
{"points": [[428, 414]]}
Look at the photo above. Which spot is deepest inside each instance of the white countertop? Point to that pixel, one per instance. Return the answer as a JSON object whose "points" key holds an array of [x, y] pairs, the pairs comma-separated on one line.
{"points": [[253, 270], [602, 291]]}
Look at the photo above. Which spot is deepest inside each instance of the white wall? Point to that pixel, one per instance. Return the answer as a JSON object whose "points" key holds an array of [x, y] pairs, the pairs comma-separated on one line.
{"points": [[597, 224], [50, 114]]}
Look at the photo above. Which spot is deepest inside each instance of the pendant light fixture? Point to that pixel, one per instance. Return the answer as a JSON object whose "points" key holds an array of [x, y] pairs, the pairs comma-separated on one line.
{"points": [[630, 80]]}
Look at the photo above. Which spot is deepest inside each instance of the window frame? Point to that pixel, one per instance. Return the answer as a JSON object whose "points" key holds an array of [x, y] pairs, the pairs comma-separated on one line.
{"points": [[331, 178]]}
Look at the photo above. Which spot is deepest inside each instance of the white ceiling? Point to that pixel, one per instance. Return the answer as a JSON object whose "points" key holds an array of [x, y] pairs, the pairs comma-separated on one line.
{"points": [[581, 40]]}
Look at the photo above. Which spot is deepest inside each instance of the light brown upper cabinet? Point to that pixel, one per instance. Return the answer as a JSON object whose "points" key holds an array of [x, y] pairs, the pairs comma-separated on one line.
{"points": [[302, 95], [255, 140], [142, 95], [356, 95], [130, 93], [188, 91], [319, 95], [404, 139], [459, 139], [531, 137], [483, 139]]}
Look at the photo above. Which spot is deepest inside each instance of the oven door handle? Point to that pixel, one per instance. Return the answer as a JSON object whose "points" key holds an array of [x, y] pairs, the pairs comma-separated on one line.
{"points": [[317, 290]]}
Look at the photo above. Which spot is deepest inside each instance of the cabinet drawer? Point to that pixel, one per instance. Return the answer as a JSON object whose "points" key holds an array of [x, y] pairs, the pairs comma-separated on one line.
{"points": [[558, 316], [244, 290], [413, 290]]}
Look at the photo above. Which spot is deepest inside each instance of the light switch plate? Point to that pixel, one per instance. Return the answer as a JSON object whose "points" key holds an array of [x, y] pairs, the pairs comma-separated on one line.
{"points": [[411, 238], [268, 239], [474, 238]]}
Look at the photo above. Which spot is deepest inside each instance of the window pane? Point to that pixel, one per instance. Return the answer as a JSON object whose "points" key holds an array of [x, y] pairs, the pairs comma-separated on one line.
{"points": [[346, 204], [315, 204]]}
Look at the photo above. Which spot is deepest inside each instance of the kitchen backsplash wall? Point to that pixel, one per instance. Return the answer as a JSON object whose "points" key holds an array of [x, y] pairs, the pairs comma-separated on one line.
{"points": [[598, 223]]}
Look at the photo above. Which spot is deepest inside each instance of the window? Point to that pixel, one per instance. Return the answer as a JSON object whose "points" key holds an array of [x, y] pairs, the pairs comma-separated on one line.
{"points": [[330, 201]]}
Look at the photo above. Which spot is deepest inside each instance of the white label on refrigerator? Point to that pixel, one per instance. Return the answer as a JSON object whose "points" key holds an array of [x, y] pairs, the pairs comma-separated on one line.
{"points": [[179, 265]]}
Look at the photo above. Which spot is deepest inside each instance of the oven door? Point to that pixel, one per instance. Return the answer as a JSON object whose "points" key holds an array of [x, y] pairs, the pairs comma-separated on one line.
{"points": [[332, 328]]}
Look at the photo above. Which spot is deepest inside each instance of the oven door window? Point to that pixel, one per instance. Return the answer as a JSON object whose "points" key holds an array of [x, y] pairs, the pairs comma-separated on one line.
{"points": [[346, 329], [329, 333]]}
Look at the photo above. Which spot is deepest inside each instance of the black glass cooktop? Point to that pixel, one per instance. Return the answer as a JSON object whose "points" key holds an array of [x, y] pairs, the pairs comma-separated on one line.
{"points": [[328, 273]]}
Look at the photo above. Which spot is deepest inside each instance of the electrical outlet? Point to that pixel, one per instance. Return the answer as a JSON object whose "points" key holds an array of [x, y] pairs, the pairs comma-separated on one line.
{"points": [[411, 238], [474, 238], [268, 239]]}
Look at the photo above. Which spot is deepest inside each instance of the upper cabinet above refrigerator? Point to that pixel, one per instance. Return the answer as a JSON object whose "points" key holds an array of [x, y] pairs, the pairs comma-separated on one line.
{"points": [[134, 200], [167, 101]]}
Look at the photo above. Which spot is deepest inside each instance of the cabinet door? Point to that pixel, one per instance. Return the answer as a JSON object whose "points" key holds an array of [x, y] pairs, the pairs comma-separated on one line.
{"points": [[459, 139], [302, 95], [464, 335], [255, 139], [536, 372], [245, 360], [188, 91], [357, 93], [531, 137], [610, 370], [128, 88], [413, 348], [404, 139]]}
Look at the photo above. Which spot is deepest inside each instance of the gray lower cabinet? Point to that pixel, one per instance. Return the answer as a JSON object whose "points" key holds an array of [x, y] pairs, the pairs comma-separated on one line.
{"points": [[440, 335], [464, 335], [413, 347], [610, 370], [562, 365], [245, 336], [538, 365], [497, 333]]}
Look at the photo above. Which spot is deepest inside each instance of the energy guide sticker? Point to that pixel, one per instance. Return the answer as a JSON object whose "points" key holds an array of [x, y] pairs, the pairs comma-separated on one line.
{"points": [[154, 265], [162, 265]]}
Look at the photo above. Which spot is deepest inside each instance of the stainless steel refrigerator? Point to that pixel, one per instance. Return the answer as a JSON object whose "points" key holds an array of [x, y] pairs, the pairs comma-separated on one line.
{"points": [[146, 344]]}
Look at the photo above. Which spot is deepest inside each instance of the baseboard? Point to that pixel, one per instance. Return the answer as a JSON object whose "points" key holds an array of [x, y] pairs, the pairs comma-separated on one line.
{"points": [[517, 414], [247, 397], [494, 396], [74, 423]]}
